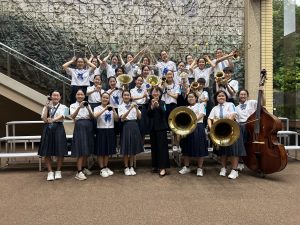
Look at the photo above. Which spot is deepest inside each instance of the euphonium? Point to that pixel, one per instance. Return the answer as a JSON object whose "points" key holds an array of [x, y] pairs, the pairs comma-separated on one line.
{"points": [[182, 121], [224, 132], [124, 79], [153, 80]]}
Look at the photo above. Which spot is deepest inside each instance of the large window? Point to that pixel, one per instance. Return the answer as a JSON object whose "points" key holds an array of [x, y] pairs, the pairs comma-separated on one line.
{"points": [[286, 49]]}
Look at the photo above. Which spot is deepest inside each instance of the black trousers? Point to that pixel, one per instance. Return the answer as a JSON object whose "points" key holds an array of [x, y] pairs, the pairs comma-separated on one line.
{"points": [[159, 149]]}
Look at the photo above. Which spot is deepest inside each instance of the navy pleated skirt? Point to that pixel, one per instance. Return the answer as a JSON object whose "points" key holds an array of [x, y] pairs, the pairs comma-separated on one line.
{"points": [[53, 140], [83, 138], [236, 149], [195, 144], [105, 142], [131, 140]]}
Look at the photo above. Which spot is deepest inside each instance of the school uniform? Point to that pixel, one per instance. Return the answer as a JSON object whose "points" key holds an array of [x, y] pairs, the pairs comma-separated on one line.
{"points": [[235, 86], [131, 140], [195, 144], [115, 101], [220, 66], [191, 76], [243, 112], [53, 140], [170, 102], [83, 135], [94, 99], [203, 73], [111, 70], [97, 71], [142, 103], [158, 136], [164, 67], [105, 135], [80, 80], [220, 112]]}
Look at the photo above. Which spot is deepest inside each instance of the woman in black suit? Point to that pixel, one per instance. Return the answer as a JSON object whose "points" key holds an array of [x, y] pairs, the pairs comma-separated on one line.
{"points": [[158, 132]]}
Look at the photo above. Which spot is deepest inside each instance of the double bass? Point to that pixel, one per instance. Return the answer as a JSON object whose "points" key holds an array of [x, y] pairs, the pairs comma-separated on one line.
{"points": [[265, 155]]}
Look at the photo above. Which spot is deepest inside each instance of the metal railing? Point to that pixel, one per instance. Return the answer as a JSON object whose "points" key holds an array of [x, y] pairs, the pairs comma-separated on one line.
{"points": [[44, 70]]}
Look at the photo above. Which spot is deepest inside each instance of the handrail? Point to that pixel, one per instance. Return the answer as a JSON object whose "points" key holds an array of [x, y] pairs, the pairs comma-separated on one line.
{"points": [[59, 77]]}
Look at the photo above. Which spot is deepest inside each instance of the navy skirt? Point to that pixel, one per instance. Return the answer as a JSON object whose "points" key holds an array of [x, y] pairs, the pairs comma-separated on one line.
{"points": [[144, 121], [53, 140], [131, 140], [236, 149], [105, 142], [83, 138], [195, 144]]}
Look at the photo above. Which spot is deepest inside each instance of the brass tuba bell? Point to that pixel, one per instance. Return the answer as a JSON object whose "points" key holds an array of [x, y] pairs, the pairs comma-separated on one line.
{"points": [[153, 80], [182, 121], [224, 132], [194, 85]]}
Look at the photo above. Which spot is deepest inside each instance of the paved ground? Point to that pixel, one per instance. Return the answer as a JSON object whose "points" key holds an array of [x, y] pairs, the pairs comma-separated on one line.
{"points": [[27, 198]]}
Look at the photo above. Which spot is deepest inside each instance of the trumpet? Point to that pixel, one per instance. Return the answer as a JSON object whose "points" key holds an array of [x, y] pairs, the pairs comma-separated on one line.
{"points": [[224, 132], [183, 75]]}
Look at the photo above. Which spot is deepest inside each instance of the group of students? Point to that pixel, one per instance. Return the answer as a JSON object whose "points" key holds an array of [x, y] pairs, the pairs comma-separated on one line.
{"points": [[101, 113]]}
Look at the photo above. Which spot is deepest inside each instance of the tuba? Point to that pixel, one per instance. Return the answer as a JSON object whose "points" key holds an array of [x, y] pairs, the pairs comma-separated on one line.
{"points": [[194, 86], [153, 80], [224, 132], [182, 121]]}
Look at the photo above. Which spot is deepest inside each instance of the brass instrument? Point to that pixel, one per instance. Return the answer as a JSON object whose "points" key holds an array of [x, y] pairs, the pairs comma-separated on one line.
{"points": [[124, 79], [182, 121], [224, 132], [220, 77], [153, 80], [183, 75], [195, 86]]}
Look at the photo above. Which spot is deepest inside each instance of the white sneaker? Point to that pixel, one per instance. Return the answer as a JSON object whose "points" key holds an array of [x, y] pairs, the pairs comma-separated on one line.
{"points": [[185, 170], [110, 173], [132, 171], [223, 172], [200, 172], [233, 174], [87, 172], [127, 172], [57, 175], [50, 176], [240, 166], [80, 176], [175, 148], [103, 173]]}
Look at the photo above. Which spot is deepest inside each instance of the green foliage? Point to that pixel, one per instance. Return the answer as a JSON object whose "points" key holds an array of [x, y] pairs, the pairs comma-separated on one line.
{"points": [[286, 62]]}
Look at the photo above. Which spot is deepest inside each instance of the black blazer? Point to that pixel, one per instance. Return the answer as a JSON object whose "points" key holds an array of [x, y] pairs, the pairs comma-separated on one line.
{"points": [[157, 117]]}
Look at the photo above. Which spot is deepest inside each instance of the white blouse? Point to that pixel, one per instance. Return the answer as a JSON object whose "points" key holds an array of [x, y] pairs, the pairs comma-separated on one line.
{"points": [[235, 86], [205, 73], [198, 109], [124, 109], [163, 67], [115, 98], [106, 119], [173, 89], [80, 77], [137, 93], [62, 110], [95, 97], [83, 112], [228, 109], [245, 110]]}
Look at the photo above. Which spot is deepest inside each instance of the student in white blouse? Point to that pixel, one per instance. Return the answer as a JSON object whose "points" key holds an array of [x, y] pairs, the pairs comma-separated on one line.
{"points": [[202, 71], [80, 75], [110, 68], [194, 145], [222, 60], [94, 92], [131, 140], [105, 135], [228, 85], [53, 140], [165, 65], [83, 135], [139, 95], [227, 110]]}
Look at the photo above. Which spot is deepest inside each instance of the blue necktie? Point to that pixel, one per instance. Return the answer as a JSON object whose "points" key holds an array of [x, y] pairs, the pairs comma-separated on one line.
{"points": [[139, 90], [223, 65], [221, 112], [107, 117], [243, 106], [116, 99], [127, 106]]}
